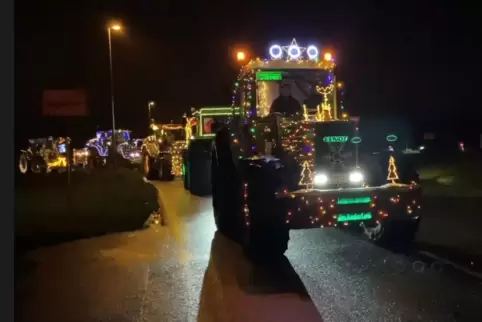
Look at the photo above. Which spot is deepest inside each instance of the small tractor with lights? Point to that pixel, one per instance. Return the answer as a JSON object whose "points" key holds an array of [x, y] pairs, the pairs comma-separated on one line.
{"points": [[44, 155], [200, 131], [97, 149], [289, 158], [161, 152]]}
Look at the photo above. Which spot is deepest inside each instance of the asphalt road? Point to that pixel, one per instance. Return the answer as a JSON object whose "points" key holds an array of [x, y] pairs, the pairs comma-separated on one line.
{"points": [[184, 271]]}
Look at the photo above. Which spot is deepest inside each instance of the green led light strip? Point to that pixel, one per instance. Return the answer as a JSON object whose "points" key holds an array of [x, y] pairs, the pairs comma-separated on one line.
{"points": [[335, 139], [216, 111], [354, 217], [354, 201], [269, 76], [392, 138], [356, 140]]}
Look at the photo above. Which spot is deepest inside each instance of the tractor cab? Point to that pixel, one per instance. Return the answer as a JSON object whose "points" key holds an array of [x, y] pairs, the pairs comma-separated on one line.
{"points": [[203, 121], [121, 136], [293, 110]]}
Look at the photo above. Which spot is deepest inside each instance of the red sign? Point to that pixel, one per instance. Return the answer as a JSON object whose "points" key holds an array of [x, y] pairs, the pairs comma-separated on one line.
{"points": [[64, 103]]}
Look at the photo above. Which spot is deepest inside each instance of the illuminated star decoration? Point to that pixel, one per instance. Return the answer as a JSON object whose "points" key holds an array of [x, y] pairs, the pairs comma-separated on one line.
{"points": [[293, 50]]}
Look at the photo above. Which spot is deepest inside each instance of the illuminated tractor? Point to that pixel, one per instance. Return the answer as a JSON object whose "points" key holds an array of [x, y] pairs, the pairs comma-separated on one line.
{"points": [[161, 152], [290, 159], [44, 155], [131, 151], [200, 133], [97, 149]]}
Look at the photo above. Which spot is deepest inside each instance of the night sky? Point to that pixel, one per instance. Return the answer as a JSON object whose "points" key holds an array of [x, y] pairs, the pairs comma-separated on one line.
{"points": [[420, 63]]}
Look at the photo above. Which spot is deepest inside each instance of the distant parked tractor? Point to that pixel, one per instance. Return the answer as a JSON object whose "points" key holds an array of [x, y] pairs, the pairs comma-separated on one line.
{"points": [[200, 130], [162, 151], [96, 150], [44, 155]]}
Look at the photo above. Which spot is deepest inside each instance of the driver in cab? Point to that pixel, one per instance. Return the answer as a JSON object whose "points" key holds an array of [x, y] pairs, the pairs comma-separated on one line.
{"points": [[285, 103]]}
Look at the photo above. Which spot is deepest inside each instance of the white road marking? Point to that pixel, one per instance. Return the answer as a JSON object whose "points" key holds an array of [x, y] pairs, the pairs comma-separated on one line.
{"points": [[450, 263]]}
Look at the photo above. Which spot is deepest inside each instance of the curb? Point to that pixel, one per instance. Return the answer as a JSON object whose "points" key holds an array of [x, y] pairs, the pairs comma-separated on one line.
{"points": [[451, 263]]}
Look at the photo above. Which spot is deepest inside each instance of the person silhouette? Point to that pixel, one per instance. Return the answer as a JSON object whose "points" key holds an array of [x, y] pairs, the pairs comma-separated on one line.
{"points": [[285, 103]]}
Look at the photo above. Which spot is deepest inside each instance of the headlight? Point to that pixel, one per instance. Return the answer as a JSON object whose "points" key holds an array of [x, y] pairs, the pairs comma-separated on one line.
{"points": [[81, 153], [356, 177], [320, 179]]}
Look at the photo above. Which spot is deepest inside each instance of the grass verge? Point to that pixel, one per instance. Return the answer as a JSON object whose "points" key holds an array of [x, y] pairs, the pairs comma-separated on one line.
{"points": [[48, 210]]}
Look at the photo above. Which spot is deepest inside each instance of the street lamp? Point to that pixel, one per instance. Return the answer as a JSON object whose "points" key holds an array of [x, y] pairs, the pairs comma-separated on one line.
{"points": [[114, 27], [150, 105]]}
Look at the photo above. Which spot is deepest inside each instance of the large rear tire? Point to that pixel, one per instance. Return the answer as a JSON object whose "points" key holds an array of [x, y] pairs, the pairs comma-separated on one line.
{"points": [[165, 170], [94, 160], [23, 164], [399, 234], [267, 235], [38, 165], [199, 167], [227, 198], [146, 167], [246, 210]]}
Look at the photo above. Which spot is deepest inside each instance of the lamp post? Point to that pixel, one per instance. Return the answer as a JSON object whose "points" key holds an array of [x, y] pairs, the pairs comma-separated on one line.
{"points": [[114, 27], [150, 105]]}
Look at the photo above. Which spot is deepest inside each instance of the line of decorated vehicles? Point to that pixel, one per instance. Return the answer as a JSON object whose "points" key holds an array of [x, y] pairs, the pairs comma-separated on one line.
{"points": [[159, 156], [271, 169], [44, 155]]}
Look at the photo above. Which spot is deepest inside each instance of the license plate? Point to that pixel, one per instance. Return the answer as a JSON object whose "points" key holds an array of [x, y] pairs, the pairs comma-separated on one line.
{"points": [[338, 178]]}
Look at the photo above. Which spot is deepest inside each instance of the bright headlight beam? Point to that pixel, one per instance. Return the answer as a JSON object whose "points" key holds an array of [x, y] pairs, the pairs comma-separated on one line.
{"points": [[320, 179], [356, 177]]}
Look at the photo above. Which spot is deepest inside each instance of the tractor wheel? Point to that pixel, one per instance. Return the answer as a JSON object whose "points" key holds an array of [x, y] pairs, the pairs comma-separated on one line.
{"points": [[146, 167], [393, 234], [38, 165], [165, 170], [94, 160], [199, 167], [23, 164], [267, 235]]}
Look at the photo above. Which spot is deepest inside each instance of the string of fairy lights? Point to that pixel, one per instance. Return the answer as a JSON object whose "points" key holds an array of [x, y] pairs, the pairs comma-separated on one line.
{"points": [[328, 211]]}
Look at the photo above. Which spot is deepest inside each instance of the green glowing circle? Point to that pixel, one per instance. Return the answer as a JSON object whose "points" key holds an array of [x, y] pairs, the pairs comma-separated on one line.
{"points": [[356, 140], [392, 138]]}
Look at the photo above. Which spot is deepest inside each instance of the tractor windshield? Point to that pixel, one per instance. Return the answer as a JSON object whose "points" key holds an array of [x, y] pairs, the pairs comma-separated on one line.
{"points": [[296, 85], [176, 135]]}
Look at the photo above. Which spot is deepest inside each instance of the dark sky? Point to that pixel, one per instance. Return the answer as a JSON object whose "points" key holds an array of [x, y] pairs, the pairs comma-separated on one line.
{"points": [[402, 58]]}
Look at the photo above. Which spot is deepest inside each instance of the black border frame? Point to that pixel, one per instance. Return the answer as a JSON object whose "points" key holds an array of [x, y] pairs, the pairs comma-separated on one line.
{"points": [[6, 93]]}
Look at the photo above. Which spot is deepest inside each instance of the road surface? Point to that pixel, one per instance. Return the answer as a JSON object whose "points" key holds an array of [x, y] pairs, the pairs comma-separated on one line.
{"points": [[184, 271]]}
